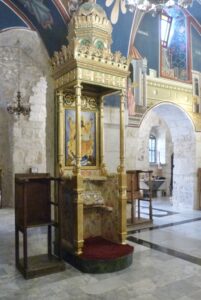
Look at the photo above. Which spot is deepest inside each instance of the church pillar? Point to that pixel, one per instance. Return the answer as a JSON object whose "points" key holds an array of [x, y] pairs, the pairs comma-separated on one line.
{"points": [[122, 174]]}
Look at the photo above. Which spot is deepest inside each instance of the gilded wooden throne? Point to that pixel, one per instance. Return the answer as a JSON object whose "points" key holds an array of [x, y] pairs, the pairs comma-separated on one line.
{"points": [[93, 201]]}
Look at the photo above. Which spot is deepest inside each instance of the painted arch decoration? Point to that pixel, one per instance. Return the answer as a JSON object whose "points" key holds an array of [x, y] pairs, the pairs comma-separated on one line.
{"points": [[51, 17]]}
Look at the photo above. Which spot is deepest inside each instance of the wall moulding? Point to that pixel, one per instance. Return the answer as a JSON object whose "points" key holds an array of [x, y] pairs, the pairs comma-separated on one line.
{"points": [[169, 84], [159, 90]]}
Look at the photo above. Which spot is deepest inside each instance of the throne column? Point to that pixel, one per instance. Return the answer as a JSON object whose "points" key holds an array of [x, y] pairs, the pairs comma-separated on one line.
{"points": [[78, 89], [102, 164], [60, 115], [78, 181]]}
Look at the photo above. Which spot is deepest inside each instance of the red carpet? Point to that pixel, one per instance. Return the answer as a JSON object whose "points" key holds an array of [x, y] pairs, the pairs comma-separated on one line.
{"points": [[99, 248]]}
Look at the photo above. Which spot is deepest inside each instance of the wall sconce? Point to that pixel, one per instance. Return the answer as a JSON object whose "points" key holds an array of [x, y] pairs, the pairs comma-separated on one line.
{"points": [[17, 108]]}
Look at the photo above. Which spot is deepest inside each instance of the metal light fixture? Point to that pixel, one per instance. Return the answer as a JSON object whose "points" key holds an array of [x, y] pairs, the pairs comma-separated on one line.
{"points": [[17, 108], [155, 5]]}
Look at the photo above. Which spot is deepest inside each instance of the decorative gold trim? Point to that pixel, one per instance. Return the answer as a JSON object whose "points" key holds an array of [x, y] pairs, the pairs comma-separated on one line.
{"points": [[87, 103], [105, 78], [91, 53], [69, 99], [91, 106]]}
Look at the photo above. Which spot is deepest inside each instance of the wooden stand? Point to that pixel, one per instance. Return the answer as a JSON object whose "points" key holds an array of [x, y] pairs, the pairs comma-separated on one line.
{"points": [[135, 194], [33, 209]]}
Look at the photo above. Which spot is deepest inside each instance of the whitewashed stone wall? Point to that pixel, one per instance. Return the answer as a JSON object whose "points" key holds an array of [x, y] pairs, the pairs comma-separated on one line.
{"points": [[132, 141], [29, 136], [183, 138], [136, 144], [25, 142], [180, 139], [112, 138], [153, 122], [198, 165]]}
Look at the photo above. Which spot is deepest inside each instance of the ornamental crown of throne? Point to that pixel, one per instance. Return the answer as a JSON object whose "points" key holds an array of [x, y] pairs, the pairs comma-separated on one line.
{"points": [[89, 37]]}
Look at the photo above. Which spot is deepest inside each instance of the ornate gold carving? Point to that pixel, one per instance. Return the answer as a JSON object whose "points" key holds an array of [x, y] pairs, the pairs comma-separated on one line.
{"points": [[69, 99], [89, 52], [87, 102]]}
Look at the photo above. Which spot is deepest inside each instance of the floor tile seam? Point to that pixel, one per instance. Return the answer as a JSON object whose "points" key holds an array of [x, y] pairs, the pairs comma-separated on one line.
{"points": [[166, 250], [172, 235], [160, 209], [164, 225]]}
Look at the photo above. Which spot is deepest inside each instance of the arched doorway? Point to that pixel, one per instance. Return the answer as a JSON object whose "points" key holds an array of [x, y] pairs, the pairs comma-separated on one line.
{"points": [[181, 132]]}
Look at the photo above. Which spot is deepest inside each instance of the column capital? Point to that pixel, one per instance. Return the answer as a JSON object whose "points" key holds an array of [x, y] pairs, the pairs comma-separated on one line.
{"points": [[123, 93], [59, 93], [78, 85], [101, 102], [78, 89]]}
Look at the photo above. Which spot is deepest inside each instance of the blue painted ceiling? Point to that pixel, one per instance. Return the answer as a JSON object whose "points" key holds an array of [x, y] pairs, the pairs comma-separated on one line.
{"points": [[50, 19]]}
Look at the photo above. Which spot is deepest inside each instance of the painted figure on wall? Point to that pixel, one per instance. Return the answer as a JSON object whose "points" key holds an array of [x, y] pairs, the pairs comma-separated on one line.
{"points": [[88, 138], [40, 11]]}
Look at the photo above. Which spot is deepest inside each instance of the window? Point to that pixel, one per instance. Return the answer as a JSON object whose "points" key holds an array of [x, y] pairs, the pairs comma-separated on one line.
{"points": [[165, 29], [174, 44], [152, 149]]}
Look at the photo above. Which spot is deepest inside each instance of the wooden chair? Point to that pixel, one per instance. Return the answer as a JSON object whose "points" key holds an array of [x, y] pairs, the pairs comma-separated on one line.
{"points": [[136, 194]]}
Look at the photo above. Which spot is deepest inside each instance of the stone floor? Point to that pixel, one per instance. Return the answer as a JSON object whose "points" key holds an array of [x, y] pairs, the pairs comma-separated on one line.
{"points": [[166, 264]]}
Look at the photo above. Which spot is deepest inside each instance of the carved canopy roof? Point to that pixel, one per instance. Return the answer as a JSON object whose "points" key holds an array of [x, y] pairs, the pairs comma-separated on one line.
{"points": [[88, 57]]}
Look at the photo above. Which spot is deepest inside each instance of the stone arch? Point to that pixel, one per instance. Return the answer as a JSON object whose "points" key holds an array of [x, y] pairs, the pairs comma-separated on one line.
{"points": [[183, 137]]}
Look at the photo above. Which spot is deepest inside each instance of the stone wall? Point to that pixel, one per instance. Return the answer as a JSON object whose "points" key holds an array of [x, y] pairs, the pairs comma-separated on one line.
{"points": [[25, 142], [180, 138], [112, 138], [136, 144], [150, 122]]}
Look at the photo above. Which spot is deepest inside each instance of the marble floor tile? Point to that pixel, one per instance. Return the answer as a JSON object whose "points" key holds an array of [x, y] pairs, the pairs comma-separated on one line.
{"points": [[196, 295], [154, 275]]}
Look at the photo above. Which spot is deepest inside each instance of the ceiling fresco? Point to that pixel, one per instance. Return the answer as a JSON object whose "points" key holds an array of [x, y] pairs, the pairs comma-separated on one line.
{"points": [[50, 19]]}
